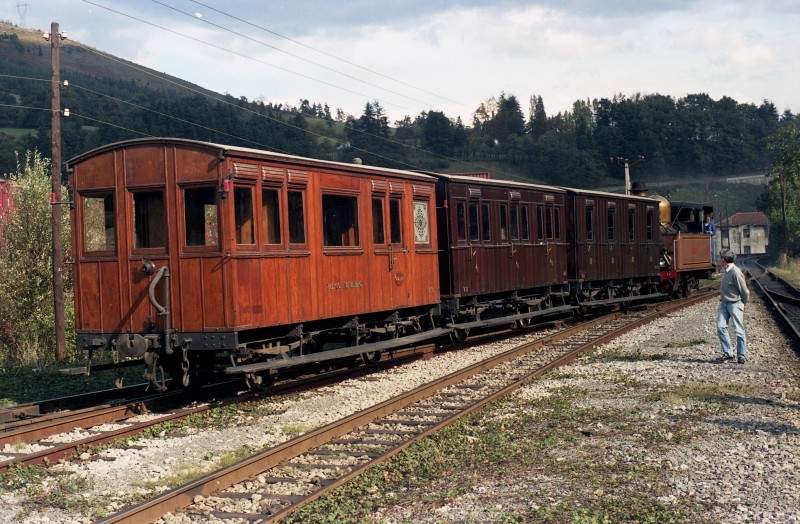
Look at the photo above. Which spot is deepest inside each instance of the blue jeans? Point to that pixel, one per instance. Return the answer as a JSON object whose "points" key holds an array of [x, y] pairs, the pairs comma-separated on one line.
{"points": [[728, 310]]}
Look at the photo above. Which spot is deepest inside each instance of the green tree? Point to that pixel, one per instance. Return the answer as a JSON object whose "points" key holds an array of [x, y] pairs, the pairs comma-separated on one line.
{"points": [[438, 134], [27, 325], [781, 201]]}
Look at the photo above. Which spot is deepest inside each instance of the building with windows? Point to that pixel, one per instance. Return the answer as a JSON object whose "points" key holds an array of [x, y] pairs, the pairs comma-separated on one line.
{"points": [[743, 233]]}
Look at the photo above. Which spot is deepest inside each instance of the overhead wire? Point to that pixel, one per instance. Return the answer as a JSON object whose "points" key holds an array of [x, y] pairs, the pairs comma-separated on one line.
{"points": [[265, 44], [278, 120], [206, 94], [236, 53], [329, 55]]}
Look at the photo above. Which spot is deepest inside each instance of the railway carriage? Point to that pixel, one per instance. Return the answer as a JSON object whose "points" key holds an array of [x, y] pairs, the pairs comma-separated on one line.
{"points": [[189, 249], [503, 250], [614, 245]]}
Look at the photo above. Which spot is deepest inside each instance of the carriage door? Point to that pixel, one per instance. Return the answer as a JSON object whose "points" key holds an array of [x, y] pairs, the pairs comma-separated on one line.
{"points": [[587, 243], [398, 246], [612, 242], [516, 253], [548, 244]]}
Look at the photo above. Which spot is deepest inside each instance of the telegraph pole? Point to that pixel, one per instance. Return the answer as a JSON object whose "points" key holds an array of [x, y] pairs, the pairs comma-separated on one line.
{"points": [[627, 163], [55, 131]]}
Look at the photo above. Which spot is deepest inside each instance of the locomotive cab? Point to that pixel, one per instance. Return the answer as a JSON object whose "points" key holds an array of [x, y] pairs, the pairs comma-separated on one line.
{"points": [[686, 256]]}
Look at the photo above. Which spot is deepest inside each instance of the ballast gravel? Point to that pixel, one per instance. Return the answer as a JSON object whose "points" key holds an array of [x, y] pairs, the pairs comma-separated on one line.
{"points": [[745, 468]]}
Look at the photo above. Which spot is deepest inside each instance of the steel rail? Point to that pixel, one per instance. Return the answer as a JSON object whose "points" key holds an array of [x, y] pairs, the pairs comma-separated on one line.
{"points": [[779, 309], [183, 496], [60, 451]]}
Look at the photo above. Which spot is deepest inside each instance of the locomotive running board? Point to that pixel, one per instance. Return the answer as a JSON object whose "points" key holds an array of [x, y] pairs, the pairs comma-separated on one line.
{"points": [[499, 321], [334, 354]]}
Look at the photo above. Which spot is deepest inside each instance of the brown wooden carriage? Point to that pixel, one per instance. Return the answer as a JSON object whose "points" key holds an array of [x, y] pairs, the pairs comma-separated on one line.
{"points": [[614, 244], [503, 246], [183, 246]]}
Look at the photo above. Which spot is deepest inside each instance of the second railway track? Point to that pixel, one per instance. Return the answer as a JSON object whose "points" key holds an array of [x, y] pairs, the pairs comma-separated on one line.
{"points": [[272, 484]]}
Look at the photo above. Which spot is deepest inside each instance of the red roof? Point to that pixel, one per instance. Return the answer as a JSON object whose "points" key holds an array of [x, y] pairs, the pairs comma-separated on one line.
{"points": [[753, 218]]}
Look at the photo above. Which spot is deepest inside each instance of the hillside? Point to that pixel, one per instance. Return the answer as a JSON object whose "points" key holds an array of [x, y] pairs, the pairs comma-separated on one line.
{"points": [[22, 49]]}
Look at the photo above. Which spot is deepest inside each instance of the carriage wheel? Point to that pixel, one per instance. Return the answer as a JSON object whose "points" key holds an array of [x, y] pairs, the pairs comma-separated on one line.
{"points": [[523, 323], [373, 357], [459, 335], [260, 380]]}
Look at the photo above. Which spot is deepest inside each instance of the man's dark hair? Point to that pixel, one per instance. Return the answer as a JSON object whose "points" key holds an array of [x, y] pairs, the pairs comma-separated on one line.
{"points": [[728, 256]]}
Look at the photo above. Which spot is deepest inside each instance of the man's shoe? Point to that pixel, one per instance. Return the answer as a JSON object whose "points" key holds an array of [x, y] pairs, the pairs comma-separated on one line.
{"points": [[726, 358], [740, 360]]}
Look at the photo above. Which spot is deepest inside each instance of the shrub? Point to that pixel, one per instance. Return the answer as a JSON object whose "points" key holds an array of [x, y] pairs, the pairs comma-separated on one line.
{"points": [[27, 324]]}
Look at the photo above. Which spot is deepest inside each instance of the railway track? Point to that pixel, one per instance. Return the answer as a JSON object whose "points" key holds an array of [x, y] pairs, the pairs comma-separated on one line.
{"points": [[783, 297], [271, 485], [47, 431]]}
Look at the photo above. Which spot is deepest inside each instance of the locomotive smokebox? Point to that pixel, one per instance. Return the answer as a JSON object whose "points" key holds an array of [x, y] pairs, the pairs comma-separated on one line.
{"points": [[131, 345]]}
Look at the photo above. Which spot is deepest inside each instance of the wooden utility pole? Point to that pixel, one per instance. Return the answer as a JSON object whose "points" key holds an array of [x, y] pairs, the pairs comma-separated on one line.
{"points": [[627, 163], [55, 197]]}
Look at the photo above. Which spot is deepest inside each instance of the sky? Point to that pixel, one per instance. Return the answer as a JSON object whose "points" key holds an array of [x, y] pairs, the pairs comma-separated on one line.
{"points": [[446, 55]]}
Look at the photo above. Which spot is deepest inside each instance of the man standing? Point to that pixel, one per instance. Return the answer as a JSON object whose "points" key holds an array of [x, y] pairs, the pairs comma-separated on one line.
{"points": [[733, 295]]}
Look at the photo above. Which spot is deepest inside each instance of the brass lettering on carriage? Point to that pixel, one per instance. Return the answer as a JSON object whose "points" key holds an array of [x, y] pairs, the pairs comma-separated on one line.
{"points": [[345, 285]]}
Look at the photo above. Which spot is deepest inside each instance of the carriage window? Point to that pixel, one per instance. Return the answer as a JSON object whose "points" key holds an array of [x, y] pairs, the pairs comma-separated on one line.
{"points": [[297, 226], [514, 222], [611, 216], [378, 236], [340, 216], [504, 222], [589, 223], [148, 219], [99, 230], [557, 223], [271, 216], [649, 224], [200, 216], [631, 225], [243, 215], [395, 232], [540, 222], [473, 221], [523, 215], [421, 223], [548, 223], [486, 228], [461, 222]]}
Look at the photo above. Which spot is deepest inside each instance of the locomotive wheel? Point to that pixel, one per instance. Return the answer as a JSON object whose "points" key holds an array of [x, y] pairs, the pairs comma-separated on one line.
{"points": [[373, 357]]}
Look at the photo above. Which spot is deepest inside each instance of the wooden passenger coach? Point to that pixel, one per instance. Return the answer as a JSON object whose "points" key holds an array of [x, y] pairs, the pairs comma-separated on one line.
{"points": [[182, 244], [612, 237], [503, 249]]}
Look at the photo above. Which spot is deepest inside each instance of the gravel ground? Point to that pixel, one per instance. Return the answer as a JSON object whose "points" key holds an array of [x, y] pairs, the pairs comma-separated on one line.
{"points": [[741, 464], [732, 461]]}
